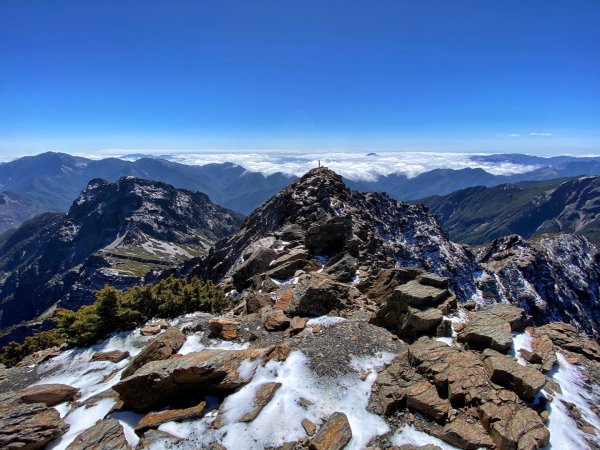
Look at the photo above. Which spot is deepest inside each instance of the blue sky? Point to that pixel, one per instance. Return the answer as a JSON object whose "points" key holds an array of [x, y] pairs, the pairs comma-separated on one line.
{"points": [[83, 76]]}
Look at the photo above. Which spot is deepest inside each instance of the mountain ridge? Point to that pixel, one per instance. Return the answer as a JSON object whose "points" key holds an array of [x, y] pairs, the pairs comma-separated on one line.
{"points": [[479, 215], [113, 233]]}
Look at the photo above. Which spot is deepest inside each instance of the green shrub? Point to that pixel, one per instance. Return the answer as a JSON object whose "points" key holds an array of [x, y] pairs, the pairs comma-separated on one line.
{"points": [[115, 310]]}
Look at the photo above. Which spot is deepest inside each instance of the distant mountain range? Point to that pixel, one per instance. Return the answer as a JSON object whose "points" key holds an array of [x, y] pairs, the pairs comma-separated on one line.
{"points": [[479, 215], [113, 233], [50, 181]]}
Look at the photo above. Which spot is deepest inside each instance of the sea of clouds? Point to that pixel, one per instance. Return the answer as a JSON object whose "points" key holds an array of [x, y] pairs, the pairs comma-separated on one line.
{"points": [[352, 165]]}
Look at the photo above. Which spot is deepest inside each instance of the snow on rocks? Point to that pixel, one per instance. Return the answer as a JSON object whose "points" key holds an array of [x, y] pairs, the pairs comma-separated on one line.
{"points": [[301, 395], [572, 400]]}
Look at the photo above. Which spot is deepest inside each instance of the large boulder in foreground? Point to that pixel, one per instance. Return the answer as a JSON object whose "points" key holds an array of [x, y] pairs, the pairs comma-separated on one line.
{"points": [[514, 316], [29, 426], [525, 381], [487, 330], [48, 394], [105, 434], [459, 373], [467, 435], [161, 347], [188, 377]]}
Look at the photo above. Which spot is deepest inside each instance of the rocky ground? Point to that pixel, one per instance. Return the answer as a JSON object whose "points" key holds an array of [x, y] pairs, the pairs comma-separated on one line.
{"points": [[332, 343], [394, 363]]}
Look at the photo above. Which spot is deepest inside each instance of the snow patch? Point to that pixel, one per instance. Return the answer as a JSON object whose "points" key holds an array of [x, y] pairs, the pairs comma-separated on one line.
{"points": [[409, 435], [325, 321], [280, 420], [564, 433]]}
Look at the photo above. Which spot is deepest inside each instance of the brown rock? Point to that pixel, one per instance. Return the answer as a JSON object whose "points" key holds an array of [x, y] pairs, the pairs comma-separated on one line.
{"points": [[333, 434], [257, 262], [105, 434], [204, 372], [432, 279], [264, 394], [278, 353], [224, 327], [161, 347], [39, 357], [112, 356], [255, 301], [566, 336], [487, 330], [513, 315], [512, 426], [423, 397], [459, 373], [276, 321], [504, 370], [286, 265], [48, 394], [150, 330], [156, 419], [414, 293], [465, 435], [543, 348], [297, 325], [29, 426], [309, 427], [380, 288], [156, 439], [284, 300], [316, 294]]}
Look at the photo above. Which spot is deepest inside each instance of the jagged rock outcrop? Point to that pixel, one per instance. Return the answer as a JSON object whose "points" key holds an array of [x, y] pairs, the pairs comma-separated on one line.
{"points": [[415, 308], [28, 425], [369, 233], [552, 279], [208, 371], [327, 218], [103, 435], [114, 233], [160, 348]]}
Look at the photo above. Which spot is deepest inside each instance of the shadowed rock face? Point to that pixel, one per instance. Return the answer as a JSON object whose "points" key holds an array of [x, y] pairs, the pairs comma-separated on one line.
{"points": [[106, 434], [29, 426], [319, 212], [71, 256], [205, 372]]}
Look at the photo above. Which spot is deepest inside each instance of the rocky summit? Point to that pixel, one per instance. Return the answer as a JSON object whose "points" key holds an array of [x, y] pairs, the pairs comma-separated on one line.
{"points": [[354, 323], [114, 233]]}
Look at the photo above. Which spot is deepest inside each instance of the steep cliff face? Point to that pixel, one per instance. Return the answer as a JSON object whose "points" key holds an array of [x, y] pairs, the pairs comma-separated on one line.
{"points": [[113, 233], [553, 278]]}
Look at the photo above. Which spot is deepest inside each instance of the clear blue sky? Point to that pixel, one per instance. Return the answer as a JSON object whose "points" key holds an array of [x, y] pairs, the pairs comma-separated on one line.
{"points": [[481, 75]]}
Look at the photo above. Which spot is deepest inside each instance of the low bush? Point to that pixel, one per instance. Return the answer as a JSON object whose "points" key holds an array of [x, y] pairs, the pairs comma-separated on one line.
{"points": [[115, 310]]}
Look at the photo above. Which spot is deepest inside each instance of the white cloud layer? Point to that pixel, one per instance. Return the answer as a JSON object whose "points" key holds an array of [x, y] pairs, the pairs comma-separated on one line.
{"points": [[352, 165]]}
